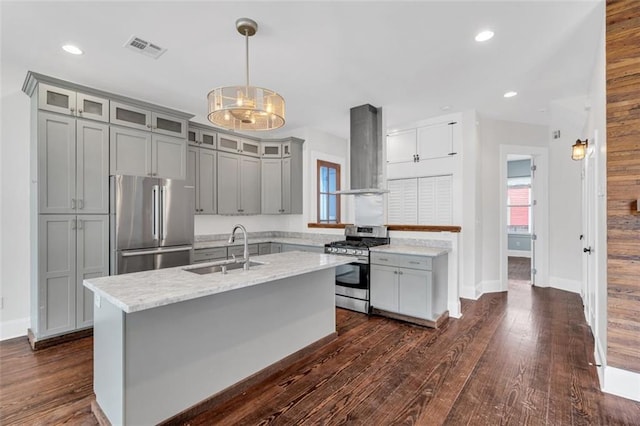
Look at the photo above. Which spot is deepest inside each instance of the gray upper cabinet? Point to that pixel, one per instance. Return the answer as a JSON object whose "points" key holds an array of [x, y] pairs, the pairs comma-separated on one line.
{"points": [[169, 157], [282, 177], [145, 119], [202, 138], [238, 184], [130, 152], [130, 116], [73, 159], [71, 249], [70, 102], [272, 186], [92, 167], [140, 153], [201, 173], [236, 144]]}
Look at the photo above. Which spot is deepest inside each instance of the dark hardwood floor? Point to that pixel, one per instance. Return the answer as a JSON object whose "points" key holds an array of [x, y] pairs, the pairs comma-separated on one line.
{"points": [[517, 358], [519, 270]]}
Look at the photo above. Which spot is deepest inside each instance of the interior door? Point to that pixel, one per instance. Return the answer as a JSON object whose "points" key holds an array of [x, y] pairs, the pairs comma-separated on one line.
{"points": [[532, 215], [589, 198]]}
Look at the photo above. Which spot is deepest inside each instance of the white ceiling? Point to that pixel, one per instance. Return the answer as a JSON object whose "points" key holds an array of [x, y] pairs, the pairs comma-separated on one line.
{"points": [[411, 58]]}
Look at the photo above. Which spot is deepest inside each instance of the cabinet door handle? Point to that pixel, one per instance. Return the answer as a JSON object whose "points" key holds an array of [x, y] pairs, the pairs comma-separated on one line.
{"points": [[72, 111], [395, 272], [400, 272], [73, 224], [413, 262], [418, 158], [80, 111], [73, 203], [80, 223], [80, 204], [148, 126], [383, 259]]}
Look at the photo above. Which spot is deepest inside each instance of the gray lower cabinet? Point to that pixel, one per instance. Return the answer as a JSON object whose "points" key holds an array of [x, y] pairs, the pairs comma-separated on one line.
{"points": [[238, 251], [238, 184], [73, 165], [71, 248], [141, 153], [414, 286], [201, 173], [300, 247], [209, 254]]}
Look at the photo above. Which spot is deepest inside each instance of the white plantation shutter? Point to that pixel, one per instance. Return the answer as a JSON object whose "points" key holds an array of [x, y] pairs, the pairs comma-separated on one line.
{"points": [[402, 201], [444, 200], [427, 201]]}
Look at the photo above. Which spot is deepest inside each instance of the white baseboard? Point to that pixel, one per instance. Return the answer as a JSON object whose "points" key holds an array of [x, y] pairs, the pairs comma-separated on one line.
{"points": [[519, 253], [14, 328], [564, 284], [467, 292], [600, 361], [622, 383], [491, 286]]}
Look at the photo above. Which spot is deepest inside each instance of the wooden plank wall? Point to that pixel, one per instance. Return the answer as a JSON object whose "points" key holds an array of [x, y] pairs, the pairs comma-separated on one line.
{"points": [[623, 183]]}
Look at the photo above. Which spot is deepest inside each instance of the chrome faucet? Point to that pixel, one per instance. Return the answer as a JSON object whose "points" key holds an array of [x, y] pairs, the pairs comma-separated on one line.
{"points": [[232, 238]]}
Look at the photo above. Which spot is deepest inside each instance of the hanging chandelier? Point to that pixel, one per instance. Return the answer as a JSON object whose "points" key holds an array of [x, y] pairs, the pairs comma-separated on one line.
{"points": [[246, 107]]}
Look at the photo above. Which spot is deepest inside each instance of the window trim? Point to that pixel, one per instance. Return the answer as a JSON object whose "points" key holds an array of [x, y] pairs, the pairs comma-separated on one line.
{"points": [[336, 166]]}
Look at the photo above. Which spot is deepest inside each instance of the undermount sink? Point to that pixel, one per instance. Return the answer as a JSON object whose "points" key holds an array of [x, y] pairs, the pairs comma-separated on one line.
{"points": [[212, 269]]}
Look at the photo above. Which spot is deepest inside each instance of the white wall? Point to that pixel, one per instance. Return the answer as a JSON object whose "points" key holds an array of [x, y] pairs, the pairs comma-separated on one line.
{"points": [[14, 205], [493, 133]]}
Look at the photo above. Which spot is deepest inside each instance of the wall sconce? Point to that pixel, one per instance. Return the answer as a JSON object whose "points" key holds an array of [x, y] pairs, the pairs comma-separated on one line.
{"points": [[579, 149]]}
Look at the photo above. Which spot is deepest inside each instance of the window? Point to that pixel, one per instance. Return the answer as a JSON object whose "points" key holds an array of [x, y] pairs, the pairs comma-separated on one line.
{"points": [[519, 205], [328, 182]]}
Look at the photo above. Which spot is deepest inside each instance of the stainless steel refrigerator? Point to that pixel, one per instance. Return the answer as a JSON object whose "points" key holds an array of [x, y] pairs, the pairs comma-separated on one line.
{"points": [[151, 223]]}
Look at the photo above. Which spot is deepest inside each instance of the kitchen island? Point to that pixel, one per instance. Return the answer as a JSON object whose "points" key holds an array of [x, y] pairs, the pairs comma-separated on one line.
{"points": [[168, 339]]}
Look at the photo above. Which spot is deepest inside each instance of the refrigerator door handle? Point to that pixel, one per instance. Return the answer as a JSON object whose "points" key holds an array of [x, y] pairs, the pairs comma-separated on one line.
{"points": [[163, 211], [156, 213], [129, 253]]}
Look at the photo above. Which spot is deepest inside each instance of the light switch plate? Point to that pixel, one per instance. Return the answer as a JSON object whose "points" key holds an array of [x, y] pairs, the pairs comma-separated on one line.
{"points": [[97, 300]]}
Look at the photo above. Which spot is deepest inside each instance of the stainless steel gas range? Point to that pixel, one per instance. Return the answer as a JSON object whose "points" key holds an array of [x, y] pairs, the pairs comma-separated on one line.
{"points": [[352, 280]]}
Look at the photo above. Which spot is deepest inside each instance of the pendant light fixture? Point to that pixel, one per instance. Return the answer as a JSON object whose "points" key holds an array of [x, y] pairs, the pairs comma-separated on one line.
{"points": [[579, 149], [246, 107]]}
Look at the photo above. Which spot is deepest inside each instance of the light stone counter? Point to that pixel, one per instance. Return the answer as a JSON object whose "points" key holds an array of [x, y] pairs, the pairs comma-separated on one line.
{"points": [[315, 242], [411, 250], [150, 289]]}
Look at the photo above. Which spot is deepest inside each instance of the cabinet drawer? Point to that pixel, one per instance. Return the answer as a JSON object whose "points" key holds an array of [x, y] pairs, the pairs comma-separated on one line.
{"points": [[209, 254], [239, 250], [402, 260]]}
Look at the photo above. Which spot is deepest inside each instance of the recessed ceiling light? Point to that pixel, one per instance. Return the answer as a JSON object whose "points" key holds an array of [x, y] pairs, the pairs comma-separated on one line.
{"points": [[446, 108], [510, 94], [74, 50], [484, 35]]}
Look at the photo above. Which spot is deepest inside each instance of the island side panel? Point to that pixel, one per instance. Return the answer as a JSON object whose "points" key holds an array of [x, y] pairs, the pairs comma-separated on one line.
{"points": [[180, 354], [441, 285], [108, 358]]}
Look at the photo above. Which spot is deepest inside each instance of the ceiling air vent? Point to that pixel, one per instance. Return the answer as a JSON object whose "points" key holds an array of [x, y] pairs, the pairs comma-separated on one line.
{"points": [[146, 48]]}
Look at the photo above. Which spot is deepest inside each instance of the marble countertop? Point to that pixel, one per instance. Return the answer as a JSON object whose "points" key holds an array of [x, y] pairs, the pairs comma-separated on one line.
{"points": [[316, 242], [412, 250], [149, 289]]}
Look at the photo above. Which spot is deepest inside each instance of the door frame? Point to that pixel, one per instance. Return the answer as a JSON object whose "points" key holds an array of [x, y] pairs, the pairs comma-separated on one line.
{"points": [[540, 157]]}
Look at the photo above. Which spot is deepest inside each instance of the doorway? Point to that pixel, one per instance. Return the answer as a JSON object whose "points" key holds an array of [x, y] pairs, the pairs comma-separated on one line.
{"points": [[520, 234], [523, 215]]}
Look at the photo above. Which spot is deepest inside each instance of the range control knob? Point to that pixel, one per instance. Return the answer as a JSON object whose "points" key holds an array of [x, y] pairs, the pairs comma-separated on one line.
{"points": [[344, 251]]}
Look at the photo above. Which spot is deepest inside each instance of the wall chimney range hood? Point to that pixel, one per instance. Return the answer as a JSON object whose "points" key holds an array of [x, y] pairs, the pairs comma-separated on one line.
{"points": [[366, 151]]}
